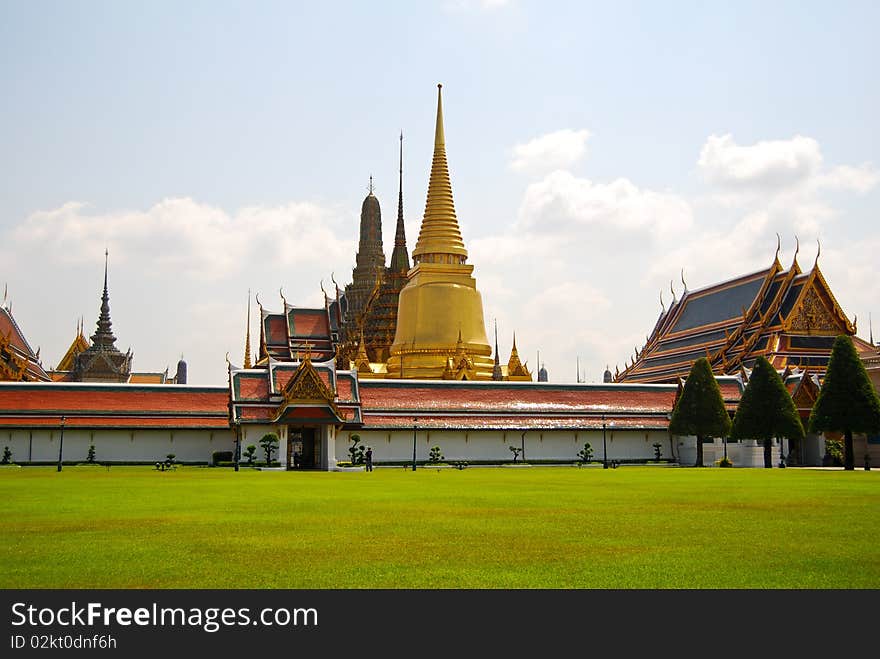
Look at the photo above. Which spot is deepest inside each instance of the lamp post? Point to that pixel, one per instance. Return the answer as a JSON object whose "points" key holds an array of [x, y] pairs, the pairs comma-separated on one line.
{"points": [[522, 444], [61, 444], [415, 426], [604, 447], [237, 455]]}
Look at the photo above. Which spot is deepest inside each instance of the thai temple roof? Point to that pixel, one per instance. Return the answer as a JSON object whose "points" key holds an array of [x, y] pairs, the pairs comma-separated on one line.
{"points": [[113, 405], [786, 315], [18, 361]]}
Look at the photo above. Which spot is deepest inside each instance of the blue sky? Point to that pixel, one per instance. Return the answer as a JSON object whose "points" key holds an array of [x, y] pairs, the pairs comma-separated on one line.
{"points": [[595, 150]]}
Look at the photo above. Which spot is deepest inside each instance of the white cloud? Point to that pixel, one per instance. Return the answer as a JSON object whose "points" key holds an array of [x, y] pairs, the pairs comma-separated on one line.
{"points": [[179, 274], [556, 150], [187, 237], [562, 200], [844, 177], [774, 163]]}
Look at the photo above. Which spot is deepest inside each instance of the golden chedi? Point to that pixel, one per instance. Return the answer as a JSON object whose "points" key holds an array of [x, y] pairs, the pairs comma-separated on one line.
{"points": [[440, 329]]}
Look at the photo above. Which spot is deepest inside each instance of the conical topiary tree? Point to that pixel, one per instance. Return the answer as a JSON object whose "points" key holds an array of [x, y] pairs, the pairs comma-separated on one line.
{"points": [[766, 410], [700, 408], [847, 401]]}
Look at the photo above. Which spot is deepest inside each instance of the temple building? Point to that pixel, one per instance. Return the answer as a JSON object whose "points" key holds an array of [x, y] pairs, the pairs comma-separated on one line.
{"points": [[788, 316], [18, 361], [401, 384], [367, 312], [424, 322], [99, 360]]}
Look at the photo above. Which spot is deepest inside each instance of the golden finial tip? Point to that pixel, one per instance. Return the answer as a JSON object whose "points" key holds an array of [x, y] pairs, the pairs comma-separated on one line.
{"points": [[439, 85]]}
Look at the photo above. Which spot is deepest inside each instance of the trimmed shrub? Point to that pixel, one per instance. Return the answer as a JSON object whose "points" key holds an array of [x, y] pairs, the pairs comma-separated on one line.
{"points": [[221, 456]]}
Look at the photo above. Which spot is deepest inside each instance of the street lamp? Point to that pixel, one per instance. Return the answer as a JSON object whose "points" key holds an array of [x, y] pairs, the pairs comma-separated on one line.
{"points": [[522, 444], [604, 447], [237, 455], [61, 444], [415, 426]]}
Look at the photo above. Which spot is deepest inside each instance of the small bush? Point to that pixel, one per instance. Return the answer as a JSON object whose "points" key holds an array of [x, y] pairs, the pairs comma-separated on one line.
{"points": [[435, 456], [586, 453], [269, 443], [221, 456], [724, 462], [356, 450], [90, 456], [7, 456]]}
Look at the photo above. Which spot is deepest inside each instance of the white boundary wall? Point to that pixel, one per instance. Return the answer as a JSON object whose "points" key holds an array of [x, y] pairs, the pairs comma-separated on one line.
{"points": [[116, 445], [562, 445]]}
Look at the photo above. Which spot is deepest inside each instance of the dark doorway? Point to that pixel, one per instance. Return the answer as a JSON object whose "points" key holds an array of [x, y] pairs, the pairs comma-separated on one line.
{"points": [[303, 451]]}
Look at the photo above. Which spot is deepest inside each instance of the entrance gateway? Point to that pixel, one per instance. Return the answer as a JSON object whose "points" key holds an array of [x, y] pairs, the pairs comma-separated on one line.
{"points": [[303, 448]]}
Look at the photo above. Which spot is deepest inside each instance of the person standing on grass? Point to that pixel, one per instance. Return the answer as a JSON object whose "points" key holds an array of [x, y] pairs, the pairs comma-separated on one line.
{"points": [[368, 458]]}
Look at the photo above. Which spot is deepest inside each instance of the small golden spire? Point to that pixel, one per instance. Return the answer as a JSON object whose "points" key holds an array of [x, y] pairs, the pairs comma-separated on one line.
{"points": [[247, 336]]}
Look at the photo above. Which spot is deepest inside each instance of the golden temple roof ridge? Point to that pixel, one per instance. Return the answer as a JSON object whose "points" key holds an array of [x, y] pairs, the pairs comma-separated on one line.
{"points": [[439, 233]]}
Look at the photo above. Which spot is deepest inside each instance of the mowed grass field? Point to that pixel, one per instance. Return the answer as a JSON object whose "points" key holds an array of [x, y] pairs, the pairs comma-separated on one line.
{"points": [[538, 527]]}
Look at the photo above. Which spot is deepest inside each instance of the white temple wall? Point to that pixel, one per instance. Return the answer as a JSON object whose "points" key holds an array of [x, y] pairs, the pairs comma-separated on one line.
{"points": [[116, 445], [563, 445]]}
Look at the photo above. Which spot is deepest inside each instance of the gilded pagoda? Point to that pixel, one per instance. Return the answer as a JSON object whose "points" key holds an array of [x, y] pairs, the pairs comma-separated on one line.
{"points": [[397, 321]]}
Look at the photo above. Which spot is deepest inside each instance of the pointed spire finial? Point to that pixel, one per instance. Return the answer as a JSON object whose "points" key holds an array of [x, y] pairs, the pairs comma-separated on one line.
{"points": [[247, 335], [371, 184], [440, 233], [778, 246], [870, 329], [103, 336], [662, 306], [818, 252], [797, 248], [283, 300], [683, 283], [399, 256], [673, 292]]}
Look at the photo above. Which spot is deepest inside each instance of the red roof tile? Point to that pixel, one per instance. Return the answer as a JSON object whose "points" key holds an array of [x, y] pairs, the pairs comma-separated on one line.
{"points": [[72, 420], [85, 398], [309, 322], [276, 331], [252, 387], [436, 421], [511, 397]]}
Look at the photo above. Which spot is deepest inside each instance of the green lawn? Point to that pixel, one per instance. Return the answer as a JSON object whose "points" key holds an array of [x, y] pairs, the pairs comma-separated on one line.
{"points": [[539, 527]]}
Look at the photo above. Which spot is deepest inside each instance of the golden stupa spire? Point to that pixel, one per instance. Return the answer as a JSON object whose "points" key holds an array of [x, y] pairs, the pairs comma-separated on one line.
{"points": [[440, 237], [247, 335]]}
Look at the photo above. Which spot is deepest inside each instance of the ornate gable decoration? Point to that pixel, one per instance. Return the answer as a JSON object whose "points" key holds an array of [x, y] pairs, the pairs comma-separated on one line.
{"points": [[806, 392], [811, 314], [307, 385], [12, 367]]}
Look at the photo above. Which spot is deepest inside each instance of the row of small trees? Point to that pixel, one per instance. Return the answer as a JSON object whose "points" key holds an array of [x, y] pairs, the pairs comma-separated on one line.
{"points": [[847, 403]]}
